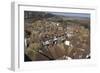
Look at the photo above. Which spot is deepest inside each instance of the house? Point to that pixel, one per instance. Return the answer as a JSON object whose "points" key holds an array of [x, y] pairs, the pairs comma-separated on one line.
{"points": [[67, 43], [46, 43]]}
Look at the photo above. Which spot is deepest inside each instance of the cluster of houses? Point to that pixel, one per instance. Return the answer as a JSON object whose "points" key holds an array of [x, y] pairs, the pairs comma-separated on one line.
{"points": [[51, 34]]}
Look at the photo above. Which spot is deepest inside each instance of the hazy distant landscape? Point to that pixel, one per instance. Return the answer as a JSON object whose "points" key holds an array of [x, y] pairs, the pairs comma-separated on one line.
{"points": [[56, 36]]}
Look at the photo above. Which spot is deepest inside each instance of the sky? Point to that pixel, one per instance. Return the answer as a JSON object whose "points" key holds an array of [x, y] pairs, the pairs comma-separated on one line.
{"points": [[73, 14]]}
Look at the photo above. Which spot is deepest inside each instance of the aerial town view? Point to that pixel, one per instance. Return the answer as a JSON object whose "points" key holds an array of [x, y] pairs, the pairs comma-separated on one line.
{"points": [[56, 36]]}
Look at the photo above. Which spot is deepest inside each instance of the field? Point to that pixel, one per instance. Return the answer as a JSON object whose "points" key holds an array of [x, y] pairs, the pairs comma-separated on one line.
{"points": [[56, 36]]}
